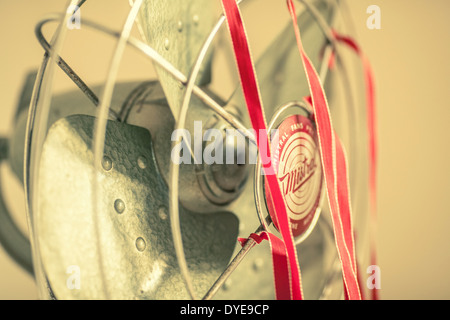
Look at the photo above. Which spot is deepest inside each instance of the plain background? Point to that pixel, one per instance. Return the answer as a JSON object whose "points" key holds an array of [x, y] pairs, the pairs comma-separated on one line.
{"points": [[409, 55]]}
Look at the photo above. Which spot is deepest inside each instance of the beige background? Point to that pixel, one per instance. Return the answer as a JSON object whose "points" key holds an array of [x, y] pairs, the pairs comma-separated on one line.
{"points": [[409, 55]]}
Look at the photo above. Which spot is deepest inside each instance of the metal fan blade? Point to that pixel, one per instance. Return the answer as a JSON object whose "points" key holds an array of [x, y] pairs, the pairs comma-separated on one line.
{"points": [[127, 247], [177, 30], [279, 70]]}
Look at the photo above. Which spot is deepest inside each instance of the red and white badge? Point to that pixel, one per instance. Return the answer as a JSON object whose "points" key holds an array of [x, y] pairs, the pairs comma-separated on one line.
{"points": [[296, 159]]}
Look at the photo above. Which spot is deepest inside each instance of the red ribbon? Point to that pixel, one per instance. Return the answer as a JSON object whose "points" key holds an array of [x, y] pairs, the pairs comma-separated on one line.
{"points": [[255, 110], [372, 136], [335, 171], [281, 268], [371, 114], [334, 164]]}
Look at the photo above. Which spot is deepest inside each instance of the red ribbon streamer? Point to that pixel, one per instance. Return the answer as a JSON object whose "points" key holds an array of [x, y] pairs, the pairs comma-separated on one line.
{"points": [[334, 163], [371, 114], [255, 109], [335, 171], [279, 254], [372, 136]]}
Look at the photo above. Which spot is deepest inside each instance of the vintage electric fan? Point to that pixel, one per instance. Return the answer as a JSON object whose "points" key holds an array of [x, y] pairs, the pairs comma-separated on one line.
{"points": [[108, 204]]}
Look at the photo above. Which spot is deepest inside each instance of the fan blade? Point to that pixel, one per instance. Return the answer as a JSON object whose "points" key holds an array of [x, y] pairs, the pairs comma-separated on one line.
{"points": [[127, 248], [279, 70], [177, 30]]}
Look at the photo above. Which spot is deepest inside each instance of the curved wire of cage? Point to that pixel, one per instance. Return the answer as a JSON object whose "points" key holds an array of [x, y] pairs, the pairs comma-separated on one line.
{"points": [[35, 136]]}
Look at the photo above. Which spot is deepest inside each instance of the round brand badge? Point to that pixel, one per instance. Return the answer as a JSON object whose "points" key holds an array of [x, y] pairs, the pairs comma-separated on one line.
{"points": [[296, 159]]}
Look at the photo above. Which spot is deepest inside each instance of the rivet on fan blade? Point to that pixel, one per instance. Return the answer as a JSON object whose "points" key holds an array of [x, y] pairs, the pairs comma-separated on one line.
{"points": [[180, 26], [119, 205], [196, 19], [167, 44], [162, 213], [140, 244], [107, 163], [142, 162]]}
